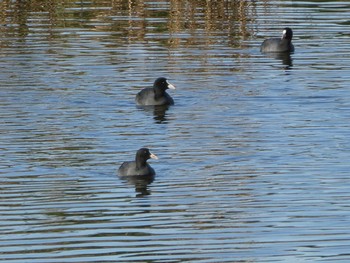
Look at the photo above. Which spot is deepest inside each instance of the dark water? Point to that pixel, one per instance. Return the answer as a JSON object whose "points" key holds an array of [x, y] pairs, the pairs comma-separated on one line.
{"points": [[254, 156]]}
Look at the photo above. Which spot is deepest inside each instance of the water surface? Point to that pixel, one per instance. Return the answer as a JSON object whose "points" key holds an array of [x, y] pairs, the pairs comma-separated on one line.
{"points": [[253, 157]]}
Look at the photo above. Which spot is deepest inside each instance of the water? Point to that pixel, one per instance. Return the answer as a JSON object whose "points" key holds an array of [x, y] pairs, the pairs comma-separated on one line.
{"points": [[253, 157]]}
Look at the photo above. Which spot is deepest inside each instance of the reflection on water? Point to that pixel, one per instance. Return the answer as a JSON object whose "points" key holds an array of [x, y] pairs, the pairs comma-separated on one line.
{"points": [[134, 20], [159, 112], [140, 183], [285, 58], [253, 155]]}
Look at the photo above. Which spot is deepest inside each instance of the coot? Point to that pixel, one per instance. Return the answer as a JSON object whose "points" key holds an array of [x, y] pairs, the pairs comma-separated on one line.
{"points": [[156, 95], [139, 167], [283, 44]]}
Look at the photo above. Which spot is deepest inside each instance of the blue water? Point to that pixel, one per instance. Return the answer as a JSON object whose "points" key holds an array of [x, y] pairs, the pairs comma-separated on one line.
{"points": [[253, 157]]}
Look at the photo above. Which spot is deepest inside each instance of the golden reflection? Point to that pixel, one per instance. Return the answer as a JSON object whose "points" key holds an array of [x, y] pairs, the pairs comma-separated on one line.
{"points": [[212, 19], [179, 21]]}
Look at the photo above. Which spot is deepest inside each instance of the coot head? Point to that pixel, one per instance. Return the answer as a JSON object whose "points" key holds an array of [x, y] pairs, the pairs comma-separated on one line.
{"points": [[162, 84], [287, 33], [143, 154]]}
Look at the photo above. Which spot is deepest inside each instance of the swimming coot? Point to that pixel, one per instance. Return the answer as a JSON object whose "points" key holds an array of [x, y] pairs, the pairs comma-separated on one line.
{"points": [[283, 44], [156, 95], [139, 167]]}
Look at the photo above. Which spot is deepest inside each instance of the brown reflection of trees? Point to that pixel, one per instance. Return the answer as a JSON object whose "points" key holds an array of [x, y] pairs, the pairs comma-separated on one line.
{"points": [[212, 18], [16, 16], [137, 20], [209, 18]]}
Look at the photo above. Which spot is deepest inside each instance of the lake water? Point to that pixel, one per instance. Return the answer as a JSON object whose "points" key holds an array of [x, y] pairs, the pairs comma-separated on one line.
{"points": [[253, 157]]}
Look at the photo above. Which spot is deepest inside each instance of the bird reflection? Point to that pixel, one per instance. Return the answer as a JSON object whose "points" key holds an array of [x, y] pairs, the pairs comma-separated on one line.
{"points": [[159, 112], [285, 58], [141, 184]]}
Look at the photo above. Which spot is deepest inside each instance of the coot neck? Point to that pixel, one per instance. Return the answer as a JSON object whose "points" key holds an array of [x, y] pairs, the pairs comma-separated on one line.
{"points": [[140, 160], [158, 92]]}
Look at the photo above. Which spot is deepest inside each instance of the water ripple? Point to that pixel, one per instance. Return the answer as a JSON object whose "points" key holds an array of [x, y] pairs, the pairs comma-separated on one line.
{"points": [[253, 156]]}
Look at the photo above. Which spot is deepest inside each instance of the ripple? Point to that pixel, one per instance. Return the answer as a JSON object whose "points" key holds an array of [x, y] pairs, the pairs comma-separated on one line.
{"points": [[253, 156]]}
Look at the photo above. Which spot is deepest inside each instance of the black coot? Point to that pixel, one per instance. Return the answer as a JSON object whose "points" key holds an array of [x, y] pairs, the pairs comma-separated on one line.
{"points": [[156, 95], [283, 44], [139, 167]]}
